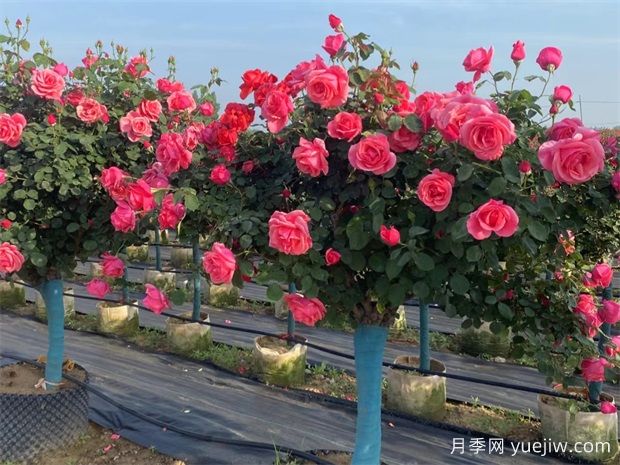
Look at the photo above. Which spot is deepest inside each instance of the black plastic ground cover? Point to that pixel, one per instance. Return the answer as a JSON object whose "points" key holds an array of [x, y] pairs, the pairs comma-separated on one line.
{"points": [[197, 398]]}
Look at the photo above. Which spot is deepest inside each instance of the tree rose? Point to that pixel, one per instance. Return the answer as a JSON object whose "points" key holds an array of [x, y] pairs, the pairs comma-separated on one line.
{"points": [[572, 161], [492, 217], [328, 87], [276, 109], [487, 135], [220, 264], [288, 232], [155, 300], [11, 128], [111, 266], [170, 214], [150, 109], [435, 190], [311, 157], [389, 236], [304, 310], [47, 84], [478, 61], [135, 126], [549, 58], [345, 126], [123, 218], [372, 153], [181, 101], [172, 154], [332, 257], [11, 259], [98, 288]]}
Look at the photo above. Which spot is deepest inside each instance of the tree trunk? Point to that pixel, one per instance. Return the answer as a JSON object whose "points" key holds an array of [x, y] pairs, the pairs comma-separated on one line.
{"points": [[197, 291], [52, 291], [369, 346]]}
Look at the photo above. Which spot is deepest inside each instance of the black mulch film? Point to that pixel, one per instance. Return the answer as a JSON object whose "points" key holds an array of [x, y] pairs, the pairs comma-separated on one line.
{"points": [[207, 401]]}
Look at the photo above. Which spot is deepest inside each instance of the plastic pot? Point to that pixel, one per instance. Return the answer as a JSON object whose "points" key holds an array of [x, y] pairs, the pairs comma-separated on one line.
{"points": [[137, 253], [40, 310], [181, 257], [277, 363], [281, 310], [415, 394], [560, 425], [34, 423], [119, 319], [186, 337], [223, 295], [163, 280], [11, 295]]}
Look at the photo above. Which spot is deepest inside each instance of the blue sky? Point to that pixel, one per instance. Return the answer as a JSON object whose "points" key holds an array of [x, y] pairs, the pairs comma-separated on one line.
{"points": [[276, 35]]}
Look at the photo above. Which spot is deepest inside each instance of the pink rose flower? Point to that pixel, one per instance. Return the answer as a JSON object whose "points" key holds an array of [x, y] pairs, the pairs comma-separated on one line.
{"points": [[165, 86], [123, 218], [345, 126], [435, 190], [586, 309], [90, 110], [610, 312], [150, 109], [51, 119], [572, 161], [562, 94], [615, 182], [2, 176], [276, 109], [404, 140], [98, 288], [464, 88], [332, 257], [487, 135], [549, 58], [479, 61], [135, 126], [304, 310], [333, 44], [47, 84], [296, 79], [525, 167], [220, 264], [170, 214], [206, 109], [425, 104], [138, 66], [593, 369], [11, 128], [613, 348], [75, 96], [155, 176], [518, 51], [492, 217], [247, 167], [608, 407], [457, 111], [335, 22], [172, 154], [61, 69], [289, 233], [564, 129], [181, 101], [155, 300], [139, 196], [5, 223], [601, 276], [389, 236], [372, 153], [328, 87], [111, 266], [311, 157], [113, 180], [220, 175], [11, 259]]}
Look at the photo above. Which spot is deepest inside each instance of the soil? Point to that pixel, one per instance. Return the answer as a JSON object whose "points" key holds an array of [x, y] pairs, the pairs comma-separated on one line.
{"points": [[337, 458], [278, 345], [99, 446], [21, 378]]}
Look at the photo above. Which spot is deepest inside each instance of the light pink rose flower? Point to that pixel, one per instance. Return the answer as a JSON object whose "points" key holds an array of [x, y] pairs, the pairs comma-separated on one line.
{"points": [[289, 233], [11, 128], [136, 126], [435, 190], [572, 161], [311, 157], [47, 84], [457, 111], [123, 218], [155, 300], [549, 58], [90, 110], [564, 129], [150, 109], [11, 259], [111, 266], [487, 135], [328, 87], [372, 153], [304, 310], [141, 62], [479, 61], [98, 288], [181, 101], [155, 176], [492, 217], [345, 126], [220, 264], [276, 109]]}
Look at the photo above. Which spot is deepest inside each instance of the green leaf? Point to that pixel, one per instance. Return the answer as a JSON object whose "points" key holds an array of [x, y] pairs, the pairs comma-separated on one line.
{"points": [[538, 230], [89, 245], [473, 254], [417, 231], [497, 186], [274, 292], [505, 311], [392, 269], [191, 202], [29, 204], [421, 290], [72, 227], [38, 259], [177, 297], [464, 172], [61, 148], [424, 261], [459, 284], [358, 238], [413, 123], [394, 123]]}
